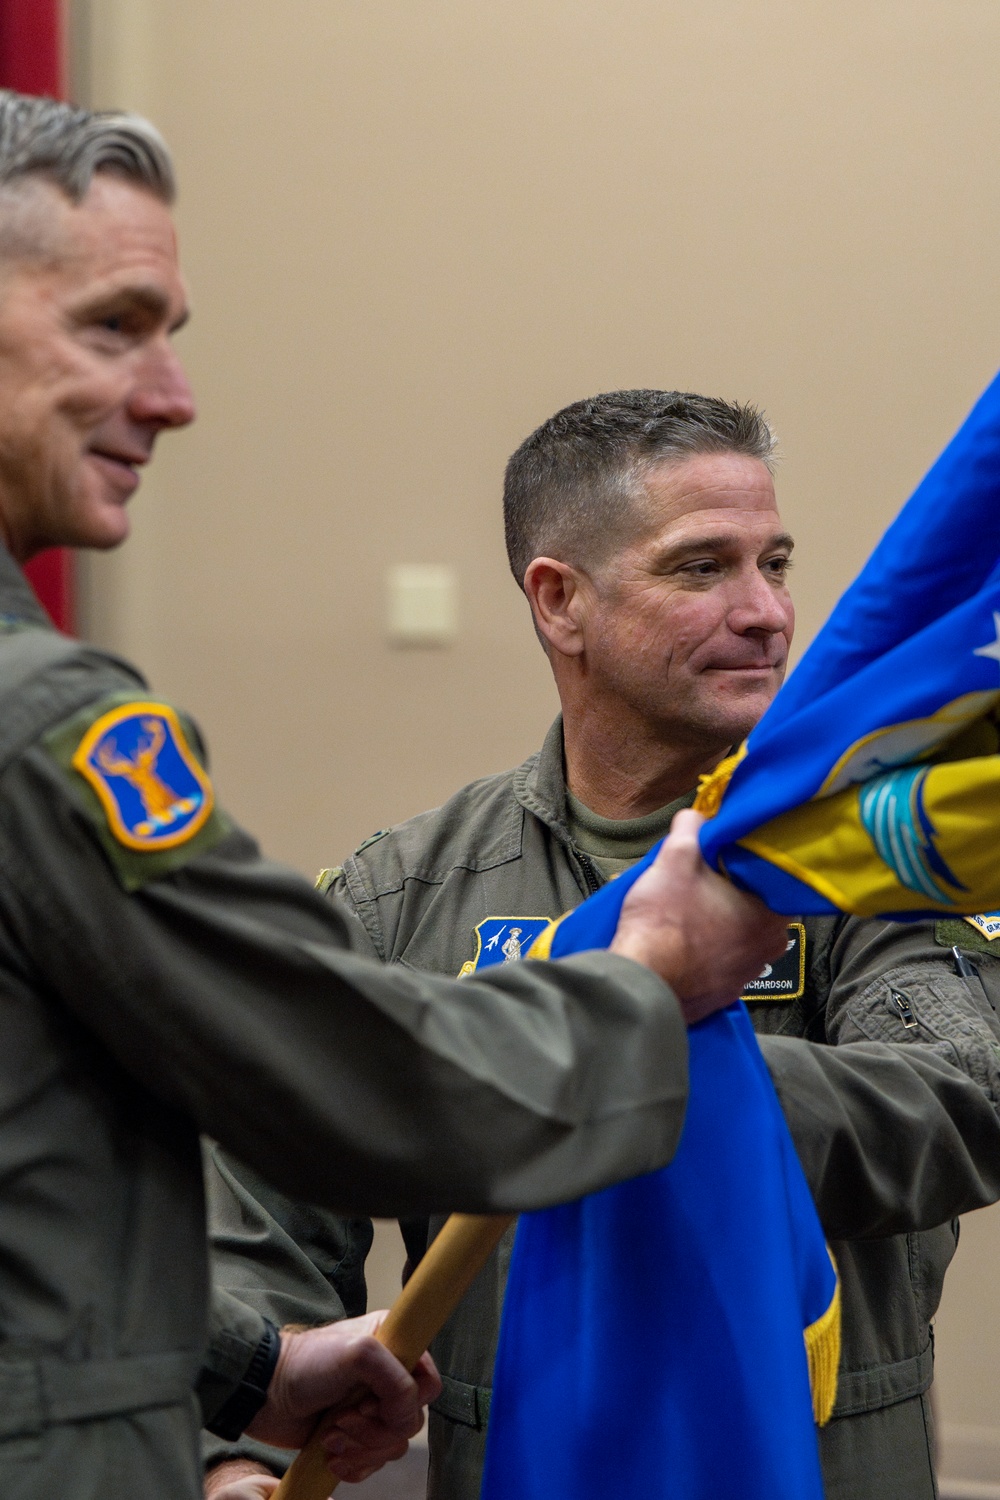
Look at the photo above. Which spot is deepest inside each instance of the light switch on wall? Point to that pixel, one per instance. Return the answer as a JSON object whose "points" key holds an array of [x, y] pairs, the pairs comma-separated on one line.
{"points": [[423, 604]]}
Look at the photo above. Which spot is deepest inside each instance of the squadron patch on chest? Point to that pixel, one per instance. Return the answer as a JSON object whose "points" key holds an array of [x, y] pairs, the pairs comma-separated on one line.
{"points": [[785, 979], [987, 923], [154, 793], [503, 940]]}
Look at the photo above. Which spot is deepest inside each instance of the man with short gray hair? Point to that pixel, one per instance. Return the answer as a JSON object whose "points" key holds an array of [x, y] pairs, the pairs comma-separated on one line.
{"points": [[159, 977], [643, 528], [572, 486]]}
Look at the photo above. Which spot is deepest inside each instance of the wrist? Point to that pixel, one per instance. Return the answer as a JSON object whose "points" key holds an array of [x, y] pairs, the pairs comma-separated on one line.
{"points": [[231, 1469], [277, 1416], [236, 1413]]}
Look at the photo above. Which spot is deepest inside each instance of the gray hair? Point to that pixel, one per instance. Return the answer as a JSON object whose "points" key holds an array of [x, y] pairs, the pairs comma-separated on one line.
{"points": [[66, 145], [573, 489]]}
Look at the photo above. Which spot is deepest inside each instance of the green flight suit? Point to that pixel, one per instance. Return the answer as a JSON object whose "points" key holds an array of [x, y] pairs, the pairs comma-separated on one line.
{"points": [[153, 991], [886, 1061]]}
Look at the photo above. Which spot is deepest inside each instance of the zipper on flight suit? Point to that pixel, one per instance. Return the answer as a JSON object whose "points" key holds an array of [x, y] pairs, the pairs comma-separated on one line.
{"points": [[590, 874], [902, 1003]]}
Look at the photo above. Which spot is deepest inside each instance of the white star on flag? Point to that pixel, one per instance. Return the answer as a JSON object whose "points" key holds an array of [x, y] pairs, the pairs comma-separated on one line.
{"points": [[993, 648]]}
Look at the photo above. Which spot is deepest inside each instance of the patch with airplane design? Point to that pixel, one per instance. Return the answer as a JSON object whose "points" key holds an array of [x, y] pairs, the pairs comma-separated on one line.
{"points": [[503, 940], [785, 979]]}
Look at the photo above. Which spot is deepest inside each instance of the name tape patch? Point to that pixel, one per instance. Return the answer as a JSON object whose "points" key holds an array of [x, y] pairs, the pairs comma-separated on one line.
{"points": [[785, 979], [154, 793]]}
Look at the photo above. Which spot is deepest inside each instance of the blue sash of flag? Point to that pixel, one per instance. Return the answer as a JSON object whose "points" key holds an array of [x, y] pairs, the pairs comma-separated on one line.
{"points": [[872, 784], [659, 1338]]}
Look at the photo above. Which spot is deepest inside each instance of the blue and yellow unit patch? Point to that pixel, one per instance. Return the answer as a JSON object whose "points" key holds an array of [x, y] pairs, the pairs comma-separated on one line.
{"points": [[503, 940], [987, 924], [134, 769], [153, 791]]}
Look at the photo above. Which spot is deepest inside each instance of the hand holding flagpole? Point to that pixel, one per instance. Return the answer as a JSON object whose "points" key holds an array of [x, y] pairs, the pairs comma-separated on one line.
{"points": [[451, 1264]]}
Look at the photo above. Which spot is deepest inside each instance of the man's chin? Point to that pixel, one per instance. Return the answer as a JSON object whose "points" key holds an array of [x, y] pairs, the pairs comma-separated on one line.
{"points": [[99, 527], [735, 713], [107, 538]]}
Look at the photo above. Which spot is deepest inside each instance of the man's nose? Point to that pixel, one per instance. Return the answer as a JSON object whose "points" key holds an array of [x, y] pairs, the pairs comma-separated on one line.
{"points": [[760, 607], [162, 394]]}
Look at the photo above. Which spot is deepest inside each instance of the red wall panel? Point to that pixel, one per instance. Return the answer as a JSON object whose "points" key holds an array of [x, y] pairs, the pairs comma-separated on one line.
{"points": [[31, 46], [31, 61]]}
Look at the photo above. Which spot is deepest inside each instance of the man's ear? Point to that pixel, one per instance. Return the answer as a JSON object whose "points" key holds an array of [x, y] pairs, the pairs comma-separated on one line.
{"points": [[558, 604]]}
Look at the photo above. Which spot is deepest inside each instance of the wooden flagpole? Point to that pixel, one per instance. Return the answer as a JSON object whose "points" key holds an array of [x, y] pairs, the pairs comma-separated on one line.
{"points": [[450, 1266]]}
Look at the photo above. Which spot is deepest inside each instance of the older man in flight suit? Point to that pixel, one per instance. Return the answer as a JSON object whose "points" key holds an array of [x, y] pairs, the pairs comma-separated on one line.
{"points": [[643, 528], [159, 977]]}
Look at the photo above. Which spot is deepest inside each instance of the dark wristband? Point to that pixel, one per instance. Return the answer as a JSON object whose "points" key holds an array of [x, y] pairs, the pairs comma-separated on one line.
{"points": [[251, 1393]]}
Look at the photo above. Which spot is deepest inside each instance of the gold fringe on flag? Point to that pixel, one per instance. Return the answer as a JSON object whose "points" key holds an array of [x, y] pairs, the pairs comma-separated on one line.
{"points": [[823, 1353], [712, 786]]}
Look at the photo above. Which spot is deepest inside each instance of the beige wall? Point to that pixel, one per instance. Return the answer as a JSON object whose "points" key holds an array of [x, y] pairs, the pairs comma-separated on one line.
{"points": [[414, 230]]}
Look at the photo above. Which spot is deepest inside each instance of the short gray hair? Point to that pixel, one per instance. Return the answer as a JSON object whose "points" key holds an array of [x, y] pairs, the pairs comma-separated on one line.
{"points": [[66, 146], [573, 488]]}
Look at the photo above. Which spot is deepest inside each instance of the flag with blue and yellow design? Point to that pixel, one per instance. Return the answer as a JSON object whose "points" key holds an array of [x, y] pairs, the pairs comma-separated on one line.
{"points": [[678, 1334], [872, 784]]}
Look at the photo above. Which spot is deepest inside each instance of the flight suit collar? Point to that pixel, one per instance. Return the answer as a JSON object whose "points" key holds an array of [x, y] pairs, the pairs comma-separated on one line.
{"points": [[17, 601], [540, 784]]}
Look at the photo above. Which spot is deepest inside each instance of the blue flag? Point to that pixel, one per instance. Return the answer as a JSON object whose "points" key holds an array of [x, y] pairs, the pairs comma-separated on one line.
{"points": [[673, 1335], [872, 783], [677, 1334]]}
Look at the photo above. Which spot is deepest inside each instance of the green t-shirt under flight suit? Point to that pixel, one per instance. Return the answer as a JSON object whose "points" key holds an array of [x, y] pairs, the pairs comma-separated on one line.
{"points": [[886, 1061]]}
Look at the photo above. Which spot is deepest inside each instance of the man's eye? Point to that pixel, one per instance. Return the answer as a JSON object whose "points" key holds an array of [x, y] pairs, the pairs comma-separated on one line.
{"points": [[113, 324], [778, 566], [703, 568]]}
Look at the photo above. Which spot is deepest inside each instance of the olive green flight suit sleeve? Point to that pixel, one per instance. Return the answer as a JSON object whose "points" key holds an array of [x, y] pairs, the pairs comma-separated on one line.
{"points": [[896, 1116], [290, 1262], [256, 1231], [234, 1332], [227, 988], [331, 884]]}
